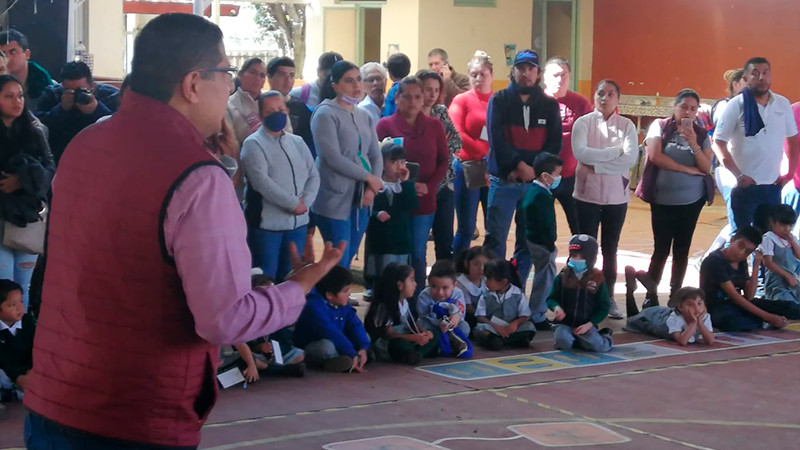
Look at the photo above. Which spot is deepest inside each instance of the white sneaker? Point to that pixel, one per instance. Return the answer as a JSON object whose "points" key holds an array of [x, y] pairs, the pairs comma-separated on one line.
{"points": [[613, 311]]}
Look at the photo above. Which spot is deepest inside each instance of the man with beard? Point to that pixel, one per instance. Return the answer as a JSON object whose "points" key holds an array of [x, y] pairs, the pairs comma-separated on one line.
{"points": [[521, 122], [749, 141]]}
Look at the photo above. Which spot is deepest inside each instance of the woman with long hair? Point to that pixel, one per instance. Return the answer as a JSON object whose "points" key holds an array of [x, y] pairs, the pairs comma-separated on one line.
{"points": [[26, 170]]}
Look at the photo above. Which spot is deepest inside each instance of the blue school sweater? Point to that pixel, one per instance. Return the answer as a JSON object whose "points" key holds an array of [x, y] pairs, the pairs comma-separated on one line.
{"points": [[338, 324]]}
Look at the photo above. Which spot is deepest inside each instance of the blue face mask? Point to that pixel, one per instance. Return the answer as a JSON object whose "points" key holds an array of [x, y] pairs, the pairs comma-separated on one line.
{"points": [[556, 182], [275, 122], [578, 265]]}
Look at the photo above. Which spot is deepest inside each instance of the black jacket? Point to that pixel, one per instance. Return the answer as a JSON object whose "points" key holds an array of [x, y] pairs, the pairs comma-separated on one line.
{"points": [[24, 152], [16, 352]]}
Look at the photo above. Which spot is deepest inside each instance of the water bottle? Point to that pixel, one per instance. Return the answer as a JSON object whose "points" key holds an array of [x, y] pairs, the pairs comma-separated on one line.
{"points": [[80, 51]]}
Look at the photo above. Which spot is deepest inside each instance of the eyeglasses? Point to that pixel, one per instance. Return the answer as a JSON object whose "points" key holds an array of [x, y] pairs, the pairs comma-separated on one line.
{"points": [[374, 80], [230, 71]]}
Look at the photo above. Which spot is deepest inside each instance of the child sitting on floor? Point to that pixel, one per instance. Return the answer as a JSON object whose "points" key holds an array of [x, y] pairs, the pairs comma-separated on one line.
{"points": [[683, 320], [389, 229], [391, 323], [16, 342], [442, 306], [781, 253], [580, 300], [503, 313], [471, 281], [329, 330]]}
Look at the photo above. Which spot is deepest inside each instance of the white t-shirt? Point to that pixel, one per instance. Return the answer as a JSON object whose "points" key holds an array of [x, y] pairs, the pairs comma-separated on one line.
{"points": [[771, 241], [759, 156], [676, 324]]}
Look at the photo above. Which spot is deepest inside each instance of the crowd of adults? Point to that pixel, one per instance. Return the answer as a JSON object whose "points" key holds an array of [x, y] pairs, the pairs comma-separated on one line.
{"points": [[144, 190]]}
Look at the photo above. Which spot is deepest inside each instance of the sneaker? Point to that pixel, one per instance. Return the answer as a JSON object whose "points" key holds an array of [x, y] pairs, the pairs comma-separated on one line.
{"points": [[544, 325], [606, 332], [338, 364], [411, 358], [613, 311], [457, 344]]}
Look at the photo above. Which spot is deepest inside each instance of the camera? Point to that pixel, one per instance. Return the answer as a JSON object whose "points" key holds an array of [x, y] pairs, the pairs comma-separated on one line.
{"points": [[83, 96]]}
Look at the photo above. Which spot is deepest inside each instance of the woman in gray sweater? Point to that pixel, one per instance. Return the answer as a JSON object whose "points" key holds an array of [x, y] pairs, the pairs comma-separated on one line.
{"points": [[349, 160], [282, 181]]}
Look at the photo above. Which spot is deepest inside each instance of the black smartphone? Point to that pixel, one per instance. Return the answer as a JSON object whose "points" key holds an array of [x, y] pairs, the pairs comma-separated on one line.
{"points": [[413, 171]]}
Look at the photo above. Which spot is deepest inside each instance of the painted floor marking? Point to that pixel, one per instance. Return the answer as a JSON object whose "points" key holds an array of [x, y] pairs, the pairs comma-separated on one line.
{"points": [[481, 369], [568, 434]]}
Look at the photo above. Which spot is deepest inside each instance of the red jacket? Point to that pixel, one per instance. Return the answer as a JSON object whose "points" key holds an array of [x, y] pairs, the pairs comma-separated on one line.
{"points": [[468, 113], [116, 353], [426, 144]]}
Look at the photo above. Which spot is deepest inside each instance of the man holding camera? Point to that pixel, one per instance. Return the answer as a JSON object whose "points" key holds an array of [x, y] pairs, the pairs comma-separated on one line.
{"points": [[73, 105]]}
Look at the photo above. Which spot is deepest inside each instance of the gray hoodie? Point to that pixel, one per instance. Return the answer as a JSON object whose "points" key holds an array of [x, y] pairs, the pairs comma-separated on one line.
{"points": [[338, 134], [282, 171]]}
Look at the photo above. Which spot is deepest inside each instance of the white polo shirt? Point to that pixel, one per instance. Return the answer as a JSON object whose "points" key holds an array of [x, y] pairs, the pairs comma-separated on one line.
{"points": [[759, 156]]}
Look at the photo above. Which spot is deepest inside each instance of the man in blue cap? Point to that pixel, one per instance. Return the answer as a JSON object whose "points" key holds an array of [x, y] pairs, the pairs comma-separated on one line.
{"points": [[521, 122]]}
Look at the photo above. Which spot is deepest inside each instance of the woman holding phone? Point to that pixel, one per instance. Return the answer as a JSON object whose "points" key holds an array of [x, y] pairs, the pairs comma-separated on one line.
{"points": [[682, 153]]}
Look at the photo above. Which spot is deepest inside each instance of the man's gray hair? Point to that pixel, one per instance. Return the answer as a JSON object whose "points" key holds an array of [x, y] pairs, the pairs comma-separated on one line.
{"points": [[370, 66], [264, 96]]}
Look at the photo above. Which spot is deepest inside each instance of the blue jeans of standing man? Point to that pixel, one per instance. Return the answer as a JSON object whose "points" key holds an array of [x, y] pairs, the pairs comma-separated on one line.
{"points": [[18, 267], [466, 203], [744, 202], [505, 198], [420, 228], [350, 231], [271, 249]]}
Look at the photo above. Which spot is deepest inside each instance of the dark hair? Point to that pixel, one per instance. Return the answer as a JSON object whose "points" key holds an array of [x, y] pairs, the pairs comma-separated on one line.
{"points": [[440, 53], [762, 217], [687, 293], [7, 287], [75, 70], [398, 65], [755, 60], [23, 134], [249, 63], [403, 84], [281, 61], [392, 152], [686, 93], [337, 72], [784, 214], [385, 302], [327, 60], [546, 163], [733, 76], [126, 84], [464, 257], [262, 97], [500, 269], [169, 47], [443, 268], [9, 36], [750, 233], [426, 74], [611, 82], [334, 281], [558, 60], [261, 280]]}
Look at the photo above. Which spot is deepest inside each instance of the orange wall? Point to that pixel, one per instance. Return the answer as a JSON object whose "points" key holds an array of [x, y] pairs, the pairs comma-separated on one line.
{"points": [[671, 44]]}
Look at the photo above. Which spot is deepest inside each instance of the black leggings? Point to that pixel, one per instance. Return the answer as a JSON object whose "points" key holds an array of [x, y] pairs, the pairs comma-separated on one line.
{"points": [[612, 217], [673, 226]]}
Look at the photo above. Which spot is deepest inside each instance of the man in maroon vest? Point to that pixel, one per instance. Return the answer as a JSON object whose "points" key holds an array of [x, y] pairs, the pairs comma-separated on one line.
{"points": [[148, 269]]}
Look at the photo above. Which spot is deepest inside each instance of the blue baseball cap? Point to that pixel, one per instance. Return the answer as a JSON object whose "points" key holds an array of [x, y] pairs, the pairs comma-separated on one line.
{"points": [[526, 57]]}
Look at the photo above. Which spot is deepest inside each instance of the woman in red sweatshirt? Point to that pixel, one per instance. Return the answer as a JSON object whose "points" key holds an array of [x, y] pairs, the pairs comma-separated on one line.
{"points": [[468, 112], [425, 143]]}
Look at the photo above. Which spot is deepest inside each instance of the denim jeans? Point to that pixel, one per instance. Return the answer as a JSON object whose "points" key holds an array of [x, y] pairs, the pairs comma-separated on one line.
{"points": [[420, 228], [591, 341], [744, 202], [350, 230], [505, 198], [320, 351], [271, 249], [18, 267], [544, 264], [466, 205], [44, 434], [443, 220]]}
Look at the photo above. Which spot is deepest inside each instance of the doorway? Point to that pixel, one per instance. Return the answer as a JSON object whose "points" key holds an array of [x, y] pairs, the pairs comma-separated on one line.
{"points": [[555, 31], [370, 35]]}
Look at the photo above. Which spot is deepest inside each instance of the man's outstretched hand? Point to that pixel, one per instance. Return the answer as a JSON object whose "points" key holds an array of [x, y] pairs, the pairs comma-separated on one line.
{"points": [[305, 271]]}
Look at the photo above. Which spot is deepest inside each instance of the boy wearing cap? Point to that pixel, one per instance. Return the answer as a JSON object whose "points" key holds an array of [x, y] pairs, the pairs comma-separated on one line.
{"points": [[522, 122], [580, 300]]}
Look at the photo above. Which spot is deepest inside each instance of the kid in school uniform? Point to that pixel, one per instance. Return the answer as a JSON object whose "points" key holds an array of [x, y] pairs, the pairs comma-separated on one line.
{"points": [[16, 342], [329, 330], [442, 305], [781, 253], [391, 322], [503, 313], [580, 300], [684, 319], [471, 280]]}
